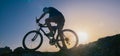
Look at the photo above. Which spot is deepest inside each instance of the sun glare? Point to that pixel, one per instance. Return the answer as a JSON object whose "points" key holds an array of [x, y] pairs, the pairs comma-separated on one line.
{"points": [[83, 37]]}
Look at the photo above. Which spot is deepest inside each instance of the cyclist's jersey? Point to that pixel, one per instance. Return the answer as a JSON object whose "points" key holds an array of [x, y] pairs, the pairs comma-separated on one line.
{"points": [[56, 16], [54, 12]]}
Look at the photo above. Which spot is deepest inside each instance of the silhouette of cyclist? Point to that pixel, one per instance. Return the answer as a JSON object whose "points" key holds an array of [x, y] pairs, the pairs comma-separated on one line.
{"points": [[54, 16]]}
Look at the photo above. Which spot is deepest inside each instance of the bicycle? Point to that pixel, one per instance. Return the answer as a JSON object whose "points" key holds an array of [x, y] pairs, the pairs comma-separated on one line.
{"points": [[69, 39]]}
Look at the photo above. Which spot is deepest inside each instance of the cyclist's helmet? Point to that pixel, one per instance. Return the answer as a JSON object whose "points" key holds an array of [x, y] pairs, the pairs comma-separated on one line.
{"points": [[46, 9]]}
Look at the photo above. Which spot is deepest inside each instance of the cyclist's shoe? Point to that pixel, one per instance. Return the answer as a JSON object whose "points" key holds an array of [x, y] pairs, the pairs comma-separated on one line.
{"points": [[50, 34], [52, 42]]}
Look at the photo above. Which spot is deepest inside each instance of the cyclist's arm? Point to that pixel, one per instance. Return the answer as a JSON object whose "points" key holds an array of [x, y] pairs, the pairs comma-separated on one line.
{"points": [[41, 16]]}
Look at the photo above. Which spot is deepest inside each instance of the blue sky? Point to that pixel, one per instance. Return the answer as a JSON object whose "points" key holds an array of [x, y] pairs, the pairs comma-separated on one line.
{"points": [[17, 17], [98, 18]]}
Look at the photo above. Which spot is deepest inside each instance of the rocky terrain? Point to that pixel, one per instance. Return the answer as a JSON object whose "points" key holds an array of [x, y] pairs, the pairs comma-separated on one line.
{"points": [[107, 46]]}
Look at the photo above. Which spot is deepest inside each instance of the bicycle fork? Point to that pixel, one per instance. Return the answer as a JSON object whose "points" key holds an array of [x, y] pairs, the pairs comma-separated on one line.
{"points": [[33, 39], [36, 35]]}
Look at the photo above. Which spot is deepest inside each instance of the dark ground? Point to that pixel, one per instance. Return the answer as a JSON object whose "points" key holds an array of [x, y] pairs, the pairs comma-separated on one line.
{"points": [[107, 46]]}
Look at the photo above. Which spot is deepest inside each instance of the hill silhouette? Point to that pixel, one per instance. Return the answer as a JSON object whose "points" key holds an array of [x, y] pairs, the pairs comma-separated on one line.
{"points": [[107, 46]]}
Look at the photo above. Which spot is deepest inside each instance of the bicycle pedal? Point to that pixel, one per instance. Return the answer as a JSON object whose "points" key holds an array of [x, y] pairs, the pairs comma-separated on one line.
{"points": [[52, 43], [56, 46]]}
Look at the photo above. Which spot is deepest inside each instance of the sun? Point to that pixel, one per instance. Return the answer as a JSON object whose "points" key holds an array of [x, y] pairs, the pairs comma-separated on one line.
{"points": [[83, 37]]}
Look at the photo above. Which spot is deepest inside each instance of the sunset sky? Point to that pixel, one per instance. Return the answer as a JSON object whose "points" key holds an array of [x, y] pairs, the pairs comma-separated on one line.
{"points": [[95, 18]]}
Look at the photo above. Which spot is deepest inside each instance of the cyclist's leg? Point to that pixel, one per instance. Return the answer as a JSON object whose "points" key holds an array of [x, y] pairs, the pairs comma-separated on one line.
{"points": [[51, 33], [60, 27], [60, 23], [48, 22], [55, 19]]}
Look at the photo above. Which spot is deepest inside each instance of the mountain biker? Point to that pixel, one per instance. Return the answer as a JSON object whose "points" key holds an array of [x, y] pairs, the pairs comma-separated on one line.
{"points": [[54, 16]]}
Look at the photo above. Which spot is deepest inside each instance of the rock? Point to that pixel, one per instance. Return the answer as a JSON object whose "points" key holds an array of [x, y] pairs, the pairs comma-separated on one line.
{"points": [[4, 51]]}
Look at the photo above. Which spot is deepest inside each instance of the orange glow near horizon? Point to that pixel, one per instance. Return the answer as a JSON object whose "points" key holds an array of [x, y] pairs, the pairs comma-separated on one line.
{"points": [[83, 37]]}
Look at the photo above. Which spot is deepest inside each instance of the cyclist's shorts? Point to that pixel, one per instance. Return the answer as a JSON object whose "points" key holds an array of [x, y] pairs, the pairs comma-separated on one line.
{"points": [[59, 21]]}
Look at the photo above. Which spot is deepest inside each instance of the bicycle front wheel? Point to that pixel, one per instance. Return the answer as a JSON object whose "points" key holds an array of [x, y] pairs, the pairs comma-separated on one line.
{"points": [[70, 39], [32, 40]]}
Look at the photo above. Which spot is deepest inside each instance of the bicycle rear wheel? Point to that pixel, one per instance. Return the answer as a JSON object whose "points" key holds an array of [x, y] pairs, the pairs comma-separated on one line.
{"points": [[70, 39], [32, 40]]}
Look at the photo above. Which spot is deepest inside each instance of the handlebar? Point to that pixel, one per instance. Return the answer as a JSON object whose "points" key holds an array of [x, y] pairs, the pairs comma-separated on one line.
{"points": [[39, 24]]}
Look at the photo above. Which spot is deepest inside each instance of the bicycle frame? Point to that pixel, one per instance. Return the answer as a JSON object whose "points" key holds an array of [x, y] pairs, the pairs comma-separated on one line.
{"points": [[41, 29]]}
